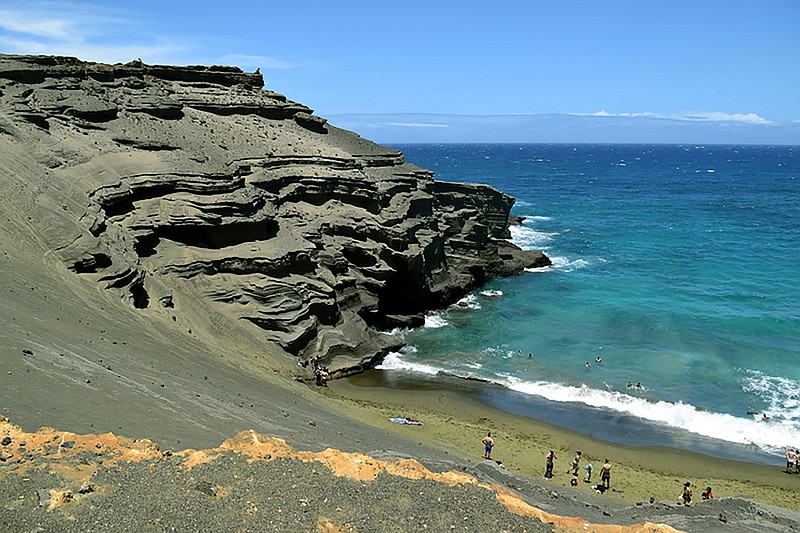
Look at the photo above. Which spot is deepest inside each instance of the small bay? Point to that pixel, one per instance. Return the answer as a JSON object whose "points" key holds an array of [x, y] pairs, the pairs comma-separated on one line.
{"points": [[678, 266]]}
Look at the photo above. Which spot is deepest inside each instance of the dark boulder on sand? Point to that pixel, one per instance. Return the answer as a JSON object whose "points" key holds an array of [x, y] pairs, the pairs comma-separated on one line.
{"points": [[170, 184]]}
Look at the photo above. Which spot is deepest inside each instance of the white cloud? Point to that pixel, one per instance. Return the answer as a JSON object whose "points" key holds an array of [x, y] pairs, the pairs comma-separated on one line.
{"points": [[417, 125], [108, 34], [34, 24], [716, 116], [153, 54], [89, 32], [690, 116]]}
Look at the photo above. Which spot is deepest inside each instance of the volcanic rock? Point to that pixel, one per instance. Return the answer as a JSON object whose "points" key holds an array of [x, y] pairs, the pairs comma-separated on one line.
{"points": [[194, 187]]}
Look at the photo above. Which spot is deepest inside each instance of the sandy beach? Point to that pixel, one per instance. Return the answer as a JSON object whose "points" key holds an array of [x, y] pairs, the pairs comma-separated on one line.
{"points": [[456, 423]]}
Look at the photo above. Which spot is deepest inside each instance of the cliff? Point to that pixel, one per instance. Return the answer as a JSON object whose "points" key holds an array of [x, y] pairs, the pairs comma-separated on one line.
{"points": [[181, 188]]}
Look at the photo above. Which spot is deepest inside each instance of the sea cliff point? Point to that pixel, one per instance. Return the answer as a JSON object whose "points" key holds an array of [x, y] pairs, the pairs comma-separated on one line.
{"points": [[166, 185]]}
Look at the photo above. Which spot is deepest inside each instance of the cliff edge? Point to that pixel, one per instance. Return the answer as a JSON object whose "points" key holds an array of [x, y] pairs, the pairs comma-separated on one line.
{"points": [[194, 188]]}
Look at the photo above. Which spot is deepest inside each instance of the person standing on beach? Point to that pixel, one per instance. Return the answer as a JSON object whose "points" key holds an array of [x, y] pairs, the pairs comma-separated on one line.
{"points": [[549, 458], [791, 458], [575, 461], [605, 474], [687, 493], [589, 471], [488, 443]]}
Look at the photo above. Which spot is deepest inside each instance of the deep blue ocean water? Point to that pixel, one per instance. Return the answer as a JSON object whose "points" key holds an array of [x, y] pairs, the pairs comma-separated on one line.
{"points": [[677, 265]]}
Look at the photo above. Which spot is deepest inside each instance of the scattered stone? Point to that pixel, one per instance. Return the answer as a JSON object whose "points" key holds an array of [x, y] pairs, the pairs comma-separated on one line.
{"points": [[6, 441], [68, 444], [86, 488], [208, 488], [27, 351], [44, 496]]}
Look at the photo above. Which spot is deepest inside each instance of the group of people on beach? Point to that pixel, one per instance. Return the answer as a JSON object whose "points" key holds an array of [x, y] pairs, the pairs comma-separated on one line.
{"points": [[321, 373], [605, 470], [550, 458], [793, 461], [686, 496]]}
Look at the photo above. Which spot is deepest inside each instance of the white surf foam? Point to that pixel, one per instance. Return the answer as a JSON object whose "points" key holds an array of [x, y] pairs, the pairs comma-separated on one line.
{"points": [[782, 395], [395, 361], [772, 436], [492, 294], [435, 320], [528, 238], [470, 301], [568, 265], [563, 264]]}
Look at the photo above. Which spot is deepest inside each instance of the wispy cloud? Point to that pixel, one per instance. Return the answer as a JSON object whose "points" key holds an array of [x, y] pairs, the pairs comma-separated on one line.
{"points": [[88, 31], [22, 22], [106, 33], [91, 52], [692, 116], [417, 125]]}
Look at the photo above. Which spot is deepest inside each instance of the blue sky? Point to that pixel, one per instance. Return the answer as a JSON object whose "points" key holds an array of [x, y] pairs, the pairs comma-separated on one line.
{"points": [[415, 71]]}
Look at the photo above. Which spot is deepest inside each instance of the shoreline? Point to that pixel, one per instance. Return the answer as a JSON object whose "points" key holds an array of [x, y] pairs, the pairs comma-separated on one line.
{"points": [[607, 425], [455, 421]]}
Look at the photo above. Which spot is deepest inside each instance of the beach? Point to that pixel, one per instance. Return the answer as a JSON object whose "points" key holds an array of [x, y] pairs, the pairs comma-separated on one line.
{"points": [[456, 424]]}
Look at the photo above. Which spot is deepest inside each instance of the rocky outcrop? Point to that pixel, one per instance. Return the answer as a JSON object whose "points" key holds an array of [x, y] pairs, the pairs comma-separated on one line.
{"points": [[194, 182]]}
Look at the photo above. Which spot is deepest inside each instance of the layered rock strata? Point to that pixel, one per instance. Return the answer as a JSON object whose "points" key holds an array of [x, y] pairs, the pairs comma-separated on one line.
{"points": [[168, 184]]}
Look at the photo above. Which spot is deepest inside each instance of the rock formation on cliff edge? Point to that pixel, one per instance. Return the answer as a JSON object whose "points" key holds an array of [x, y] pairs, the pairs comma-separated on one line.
{"points": [[176, 185]]}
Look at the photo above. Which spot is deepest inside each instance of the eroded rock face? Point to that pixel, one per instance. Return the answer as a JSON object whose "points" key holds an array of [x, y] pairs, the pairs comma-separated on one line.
{"points": [[198, 178]]}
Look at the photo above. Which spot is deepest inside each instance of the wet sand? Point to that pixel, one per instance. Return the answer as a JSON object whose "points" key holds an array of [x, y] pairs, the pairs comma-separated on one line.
{"points": [[456, 423]]}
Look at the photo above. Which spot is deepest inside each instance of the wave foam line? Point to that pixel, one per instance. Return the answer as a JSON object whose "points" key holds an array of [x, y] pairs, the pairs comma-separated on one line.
{"points": [[394, 361], [772, 436], [528, 238]]}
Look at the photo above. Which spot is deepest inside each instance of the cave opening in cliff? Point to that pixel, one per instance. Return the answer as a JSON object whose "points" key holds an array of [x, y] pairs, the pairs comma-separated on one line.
{"points": [[221, 236]]}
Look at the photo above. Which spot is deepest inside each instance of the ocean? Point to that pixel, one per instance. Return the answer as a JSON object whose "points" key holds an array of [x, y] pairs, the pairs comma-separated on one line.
{"points": [[678, 266]]}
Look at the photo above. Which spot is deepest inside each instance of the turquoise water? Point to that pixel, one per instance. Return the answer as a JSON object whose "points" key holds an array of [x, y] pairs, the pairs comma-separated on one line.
{"points": [[678, 266]]}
